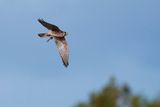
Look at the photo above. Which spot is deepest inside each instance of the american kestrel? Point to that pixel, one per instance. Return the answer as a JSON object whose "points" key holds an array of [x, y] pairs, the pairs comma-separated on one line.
{"points": [[59, 36]]}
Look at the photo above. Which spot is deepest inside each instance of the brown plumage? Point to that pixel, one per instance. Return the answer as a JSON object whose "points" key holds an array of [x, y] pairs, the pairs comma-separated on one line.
{"points": [[59, 37], [48, 25]]}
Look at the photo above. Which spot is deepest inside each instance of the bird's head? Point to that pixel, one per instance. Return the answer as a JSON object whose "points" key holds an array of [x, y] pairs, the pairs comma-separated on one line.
{"points": [[65, 33]]}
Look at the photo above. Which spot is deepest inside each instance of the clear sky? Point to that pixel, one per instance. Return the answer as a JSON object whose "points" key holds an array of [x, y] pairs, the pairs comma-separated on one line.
{"points": [[107, 38]]}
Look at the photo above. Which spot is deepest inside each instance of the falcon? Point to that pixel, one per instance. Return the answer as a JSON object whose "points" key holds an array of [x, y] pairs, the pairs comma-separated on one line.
{"points": [[59, 37]]}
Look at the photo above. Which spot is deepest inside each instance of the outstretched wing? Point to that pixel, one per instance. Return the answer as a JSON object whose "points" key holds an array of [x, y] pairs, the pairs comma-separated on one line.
{"points": [[63, 49], [43, 35], [48, 25]]}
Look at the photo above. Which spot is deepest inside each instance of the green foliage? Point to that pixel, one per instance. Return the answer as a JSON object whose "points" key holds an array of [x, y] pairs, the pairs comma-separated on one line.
{"points": [[136, 101], [81, 105], [154, 104], [113, 95]]}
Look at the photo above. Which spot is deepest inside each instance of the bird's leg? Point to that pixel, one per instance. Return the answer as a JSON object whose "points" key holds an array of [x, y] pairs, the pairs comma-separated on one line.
{"points": [[49, 39]]}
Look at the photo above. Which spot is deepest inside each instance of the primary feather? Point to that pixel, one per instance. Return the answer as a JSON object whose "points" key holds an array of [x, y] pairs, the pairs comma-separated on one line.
{"points": [[48, 25]]}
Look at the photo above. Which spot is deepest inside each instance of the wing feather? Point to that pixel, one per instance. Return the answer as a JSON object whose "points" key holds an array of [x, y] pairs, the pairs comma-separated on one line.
{"points": [[63, 49], [43, 35], [48, 25]]}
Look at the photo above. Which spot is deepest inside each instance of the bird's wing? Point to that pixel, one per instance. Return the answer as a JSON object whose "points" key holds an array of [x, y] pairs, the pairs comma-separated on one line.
{"points": [[63, 49], [48, 25], [43, 35]]}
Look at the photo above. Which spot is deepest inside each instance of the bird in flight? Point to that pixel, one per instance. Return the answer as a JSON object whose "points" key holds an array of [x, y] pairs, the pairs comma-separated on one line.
{"points": [[59, 36]]}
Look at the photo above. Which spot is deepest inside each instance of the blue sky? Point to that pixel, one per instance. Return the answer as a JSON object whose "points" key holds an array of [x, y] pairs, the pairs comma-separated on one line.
{"points": [[106, 37]]}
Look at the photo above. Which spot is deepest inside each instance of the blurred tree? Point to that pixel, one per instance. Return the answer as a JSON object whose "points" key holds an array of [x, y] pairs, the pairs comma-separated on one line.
{"points": [[114, 96], [136, 101], [106, 98], [124, 98], [155, 103], [81, 105]]}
